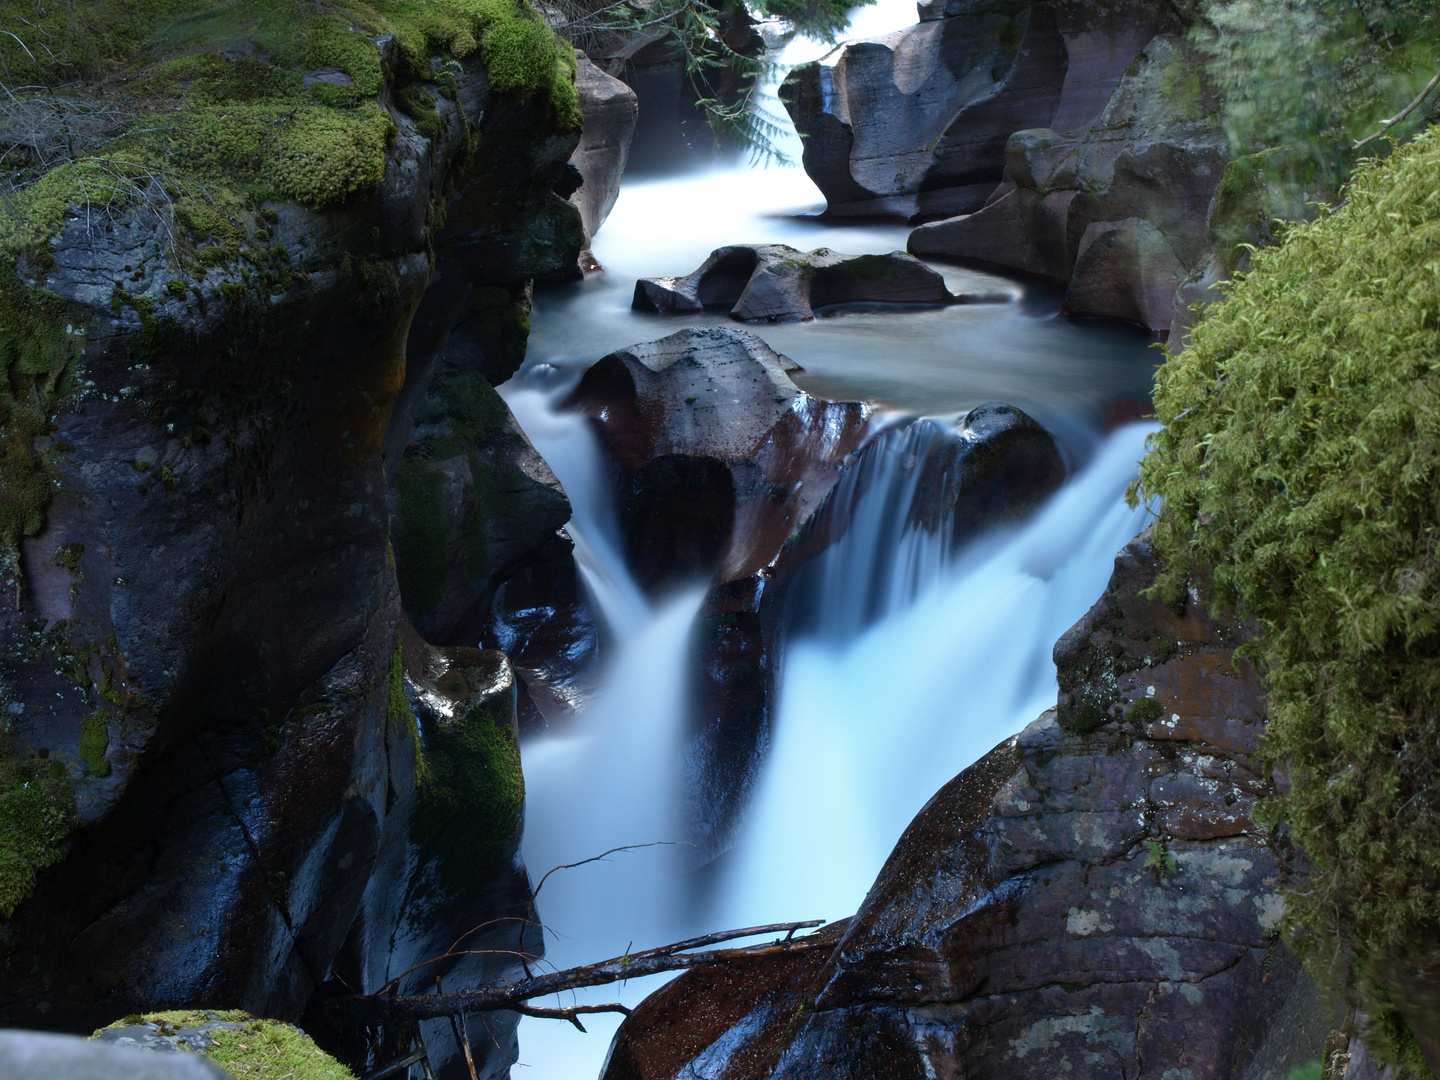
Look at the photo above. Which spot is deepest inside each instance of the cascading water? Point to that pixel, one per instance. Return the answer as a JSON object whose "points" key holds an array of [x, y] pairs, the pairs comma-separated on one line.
{"points": [[918, 658]]}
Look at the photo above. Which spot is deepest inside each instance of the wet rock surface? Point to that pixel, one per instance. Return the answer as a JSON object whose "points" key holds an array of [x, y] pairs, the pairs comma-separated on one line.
{"points": [[225, 605], [1117, 209], [1092, 898], [777, 283]]}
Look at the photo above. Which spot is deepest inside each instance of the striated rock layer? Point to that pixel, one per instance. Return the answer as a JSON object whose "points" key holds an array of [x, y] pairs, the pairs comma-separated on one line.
{"points": [[1093, 898]]}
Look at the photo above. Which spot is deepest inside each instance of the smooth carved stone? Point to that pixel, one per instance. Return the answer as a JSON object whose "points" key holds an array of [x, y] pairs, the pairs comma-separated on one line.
{"points": [[1117, 208], [915, 123], [724, 400], [1091, 906], [777, 283], [610, 110], [1125, 270]]}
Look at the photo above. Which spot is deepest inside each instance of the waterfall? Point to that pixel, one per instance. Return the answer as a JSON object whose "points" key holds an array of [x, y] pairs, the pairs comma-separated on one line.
{"points": [[915, 660], [870, 726]]}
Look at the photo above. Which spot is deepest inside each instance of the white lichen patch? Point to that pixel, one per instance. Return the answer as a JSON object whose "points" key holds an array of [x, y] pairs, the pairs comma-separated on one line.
{"points": [[1083, 923], [1271, 909]]}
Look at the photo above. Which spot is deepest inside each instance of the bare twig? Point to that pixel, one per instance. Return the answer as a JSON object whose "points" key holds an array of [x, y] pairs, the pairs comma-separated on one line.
{"points": [[381, 1009], [1386, 125], [569, 1012]]}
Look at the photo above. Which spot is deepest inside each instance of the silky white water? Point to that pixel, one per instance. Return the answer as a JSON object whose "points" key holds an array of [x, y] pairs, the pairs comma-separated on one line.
{"points": [[917, 659]]}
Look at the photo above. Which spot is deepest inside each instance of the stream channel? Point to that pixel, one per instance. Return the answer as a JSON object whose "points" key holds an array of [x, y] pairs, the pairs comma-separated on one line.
{"points": [[874, 714]]}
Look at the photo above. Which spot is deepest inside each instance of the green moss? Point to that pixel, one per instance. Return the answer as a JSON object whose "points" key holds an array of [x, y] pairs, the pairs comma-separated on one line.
{"points": [[94, 741], [1298, 465], [247, 1048], [1145, 710], [401, 716], [68, 556], [476, 790], [37, 346], [422, 549], [231, 119], [270, 1050], [1312, 1070], [37, 814]]}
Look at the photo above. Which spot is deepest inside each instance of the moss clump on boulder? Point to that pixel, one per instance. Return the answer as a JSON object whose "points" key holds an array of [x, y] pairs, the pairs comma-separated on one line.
{"points": [[37, 814], [422, 549], [1299, 465], [94, 741], [475, 790], [246, 1047]]}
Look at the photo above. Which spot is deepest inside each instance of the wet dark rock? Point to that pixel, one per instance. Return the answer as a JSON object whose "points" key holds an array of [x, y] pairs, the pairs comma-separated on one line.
{"points": [[37, 1055], [447, 866], [610, 109], [915, 124], [777, 283], [725, 396], [1091, 904], [230, 607], [1115, 209]]}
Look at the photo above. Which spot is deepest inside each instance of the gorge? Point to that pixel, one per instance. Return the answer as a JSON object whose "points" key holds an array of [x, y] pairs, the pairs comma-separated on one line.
{"points": [[391, 517]]}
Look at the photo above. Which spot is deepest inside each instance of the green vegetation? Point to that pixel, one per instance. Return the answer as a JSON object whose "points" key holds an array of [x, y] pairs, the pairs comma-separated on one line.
{"points": [[1315, 75], [37, 813], [1311, 1070], [476, 790], [36, 349], [210, 101], [401, 716], [1145, 710], [247, 1048], [94, 741], [1298, 466], [823, 19], [1159, 861], [422, 548]]}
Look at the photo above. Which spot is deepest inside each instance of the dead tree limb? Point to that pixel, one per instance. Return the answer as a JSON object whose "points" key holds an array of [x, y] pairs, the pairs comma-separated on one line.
{"points": [[1386, 125], [384, 1009]]}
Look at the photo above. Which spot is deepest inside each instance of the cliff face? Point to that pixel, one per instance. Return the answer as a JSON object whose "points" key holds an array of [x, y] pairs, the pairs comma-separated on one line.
{"points": [[200, 633], [1092, 898]]}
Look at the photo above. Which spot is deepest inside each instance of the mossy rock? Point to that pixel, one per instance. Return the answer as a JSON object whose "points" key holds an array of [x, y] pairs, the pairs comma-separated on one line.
{"points": [[1299, 465], [37, 815], [245, 1047]]}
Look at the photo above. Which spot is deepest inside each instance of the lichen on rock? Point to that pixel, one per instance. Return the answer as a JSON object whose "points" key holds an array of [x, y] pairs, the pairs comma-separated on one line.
{"points": [[1298, 467]]}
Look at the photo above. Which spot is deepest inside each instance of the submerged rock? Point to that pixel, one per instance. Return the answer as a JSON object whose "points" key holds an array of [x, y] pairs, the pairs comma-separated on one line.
{"points": [[777, 283], [1092, 898]]}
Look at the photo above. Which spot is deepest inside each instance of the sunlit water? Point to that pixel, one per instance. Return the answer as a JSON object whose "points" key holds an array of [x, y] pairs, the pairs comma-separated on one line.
{"points": [[873, 716]]}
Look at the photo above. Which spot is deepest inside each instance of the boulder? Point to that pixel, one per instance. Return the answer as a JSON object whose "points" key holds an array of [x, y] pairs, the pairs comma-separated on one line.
{"points": [[776, 283], [1137, 181], [676, 414], [1125, 270], [915, 123], [37, 1055], [610, 109], [1094, 898]]}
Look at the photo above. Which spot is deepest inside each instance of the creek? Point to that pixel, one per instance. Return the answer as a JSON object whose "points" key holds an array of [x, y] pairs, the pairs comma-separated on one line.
{"points": [[914, 661]]}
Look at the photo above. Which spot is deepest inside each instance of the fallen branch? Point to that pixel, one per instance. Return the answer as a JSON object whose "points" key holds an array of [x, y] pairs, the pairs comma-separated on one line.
{"points": [[386, 1009], [569, 1012], [1402, 114]]}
